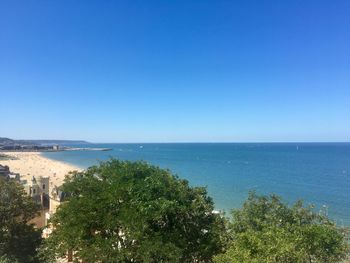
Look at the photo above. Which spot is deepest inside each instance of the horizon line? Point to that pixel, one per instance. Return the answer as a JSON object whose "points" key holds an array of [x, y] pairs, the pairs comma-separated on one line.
{"points": [[173, 142]]}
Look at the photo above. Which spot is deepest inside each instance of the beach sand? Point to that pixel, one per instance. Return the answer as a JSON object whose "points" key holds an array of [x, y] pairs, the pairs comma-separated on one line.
{"points": [[29, 164]]}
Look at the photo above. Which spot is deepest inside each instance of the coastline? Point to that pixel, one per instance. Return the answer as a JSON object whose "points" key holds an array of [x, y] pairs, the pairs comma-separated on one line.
{"points": [[29, 164]]}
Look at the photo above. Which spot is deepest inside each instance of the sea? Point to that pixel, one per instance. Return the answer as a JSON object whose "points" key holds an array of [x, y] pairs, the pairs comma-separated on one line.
{"points": [[318, 173]]}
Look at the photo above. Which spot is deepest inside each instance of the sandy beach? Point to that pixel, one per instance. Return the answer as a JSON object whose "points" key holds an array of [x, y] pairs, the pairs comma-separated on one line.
{"points": [[29, 164]]}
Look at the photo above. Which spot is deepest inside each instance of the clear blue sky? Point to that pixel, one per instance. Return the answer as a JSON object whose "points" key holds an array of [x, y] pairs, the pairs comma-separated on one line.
{"points": [[169, 71]]}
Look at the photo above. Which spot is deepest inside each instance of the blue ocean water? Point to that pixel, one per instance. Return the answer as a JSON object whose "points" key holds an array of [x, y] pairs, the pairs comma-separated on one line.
{"points": [[318, 173]]}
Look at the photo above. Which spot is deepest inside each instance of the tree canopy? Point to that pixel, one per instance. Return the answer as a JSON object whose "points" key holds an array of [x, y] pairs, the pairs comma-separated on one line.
{"points": [[266, 230], [121, 211], [18, 240]]}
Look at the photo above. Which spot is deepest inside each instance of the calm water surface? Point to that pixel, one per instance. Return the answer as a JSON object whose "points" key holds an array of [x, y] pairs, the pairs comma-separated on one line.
{"points": [[319, 173]]}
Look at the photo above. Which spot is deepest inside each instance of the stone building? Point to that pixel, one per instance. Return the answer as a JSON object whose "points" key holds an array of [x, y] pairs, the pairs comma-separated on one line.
{"points": [[4, 170], [57, 197], [6, 174], [39, 189]]}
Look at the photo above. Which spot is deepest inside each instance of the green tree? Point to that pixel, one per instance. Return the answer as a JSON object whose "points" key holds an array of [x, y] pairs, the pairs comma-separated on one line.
{"points": [[266, 230], [124, 211], [5, 259], [19, 241]]}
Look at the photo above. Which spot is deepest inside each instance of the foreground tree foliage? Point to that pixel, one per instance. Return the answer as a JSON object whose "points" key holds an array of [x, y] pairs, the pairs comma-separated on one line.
{"points": [[133, 212], [18, 240], [266, 230]]}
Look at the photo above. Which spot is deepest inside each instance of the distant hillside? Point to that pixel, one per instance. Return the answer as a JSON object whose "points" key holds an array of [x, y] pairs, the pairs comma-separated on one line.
{"points": [[8, 141]]}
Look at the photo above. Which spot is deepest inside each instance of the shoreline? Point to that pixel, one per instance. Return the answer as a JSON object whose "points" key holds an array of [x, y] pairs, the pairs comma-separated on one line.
{"points": [[29, 164]]}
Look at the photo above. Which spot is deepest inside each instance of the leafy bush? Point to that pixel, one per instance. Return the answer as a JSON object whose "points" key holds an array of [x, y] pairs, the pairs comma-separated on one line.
{"points": [[268, 230], [124, 211], [18, 240]]}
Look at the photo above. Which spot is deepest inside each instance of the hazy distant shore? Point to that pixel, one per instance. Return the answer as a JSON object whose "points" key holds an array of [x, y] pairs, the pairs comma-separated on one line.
{"points": [[59, 150]]}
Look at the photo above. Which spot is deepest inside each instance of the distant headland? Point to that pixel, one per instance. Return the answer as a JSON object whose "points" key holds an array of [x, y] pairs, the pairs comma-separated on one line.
{"points": [[7, 144]]}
